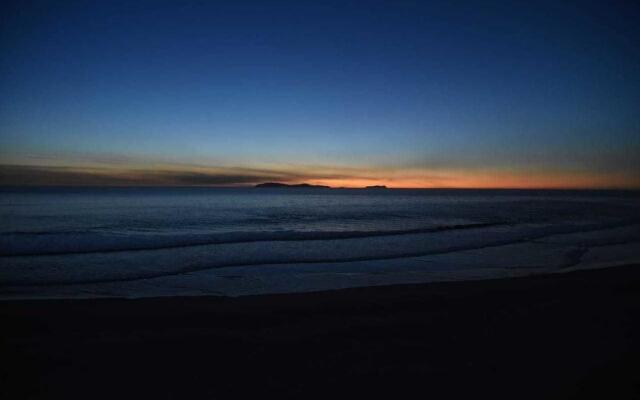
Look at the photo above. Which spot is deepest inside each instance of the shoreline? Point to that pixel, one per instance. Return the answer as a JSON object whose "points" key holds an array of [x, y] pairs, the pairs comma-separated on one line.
{"points": [[393, 287], [373, 287], [552, 336]]}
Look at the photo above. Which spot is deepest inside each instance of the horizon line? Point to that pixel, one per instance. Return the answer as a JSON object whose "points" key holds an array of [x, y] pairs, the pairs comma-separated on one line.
{"points": [[326, 187]]}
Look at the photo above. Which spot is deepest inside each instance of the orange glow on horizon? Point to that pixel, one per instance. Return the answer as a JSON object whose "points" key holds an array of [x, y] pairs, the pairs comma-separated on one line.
{"points": [[348, 177], [493, 180]]}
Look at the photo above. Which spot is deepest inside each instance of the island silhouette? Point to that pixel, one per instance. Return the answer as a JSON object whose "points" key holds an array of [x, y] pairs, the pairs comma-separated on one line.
{"points": [[307, 185]]}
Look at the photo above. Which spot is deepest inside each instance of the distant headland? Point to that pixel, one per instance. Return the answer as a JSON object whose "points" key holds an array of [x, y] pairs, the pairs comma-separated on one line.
{"points": [[308, 186], [284, 185]]}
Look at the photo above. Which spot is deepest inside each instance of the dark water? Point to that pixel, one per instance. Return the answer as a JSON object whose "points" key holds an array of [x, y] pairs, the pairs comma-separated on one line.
{"points": [[61, 236]]}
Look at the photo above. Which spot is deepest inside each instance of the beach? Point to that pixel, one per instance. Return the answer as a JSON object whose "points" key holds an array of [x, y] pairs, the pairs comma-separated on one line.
{"points": [[566, 335], [320, 200]]}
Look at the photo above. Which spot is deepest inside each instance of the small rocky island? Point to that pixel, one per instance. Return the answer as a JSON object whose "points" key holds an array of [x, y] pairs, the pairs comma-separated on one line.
{"points": [[277, 185], [284, 185]]}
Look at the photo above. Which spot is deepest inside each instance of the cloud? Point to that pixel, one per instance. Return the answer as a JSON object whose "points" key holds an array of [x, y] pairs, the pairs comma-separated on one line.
{"points": [[40, 175], [37, 175], [176, 174], [201, 178]]}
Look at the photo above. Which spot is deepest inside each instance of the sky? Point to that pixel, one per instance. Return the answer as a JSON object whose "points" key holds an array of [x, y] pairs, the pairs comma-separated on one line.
{"points": [[399, 93]]}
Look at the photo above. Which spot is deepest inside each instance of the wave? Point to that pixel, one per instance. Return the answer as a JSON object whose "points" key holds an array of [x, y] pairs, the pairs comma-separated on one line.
{"points": [[244, 259], [43, 233], [44, 243]]}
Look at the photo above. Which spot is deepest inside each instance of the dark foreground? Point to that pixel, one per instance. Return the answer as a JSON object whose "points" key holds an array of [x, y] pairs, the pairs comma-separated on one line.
{"points": [[572, 335]]}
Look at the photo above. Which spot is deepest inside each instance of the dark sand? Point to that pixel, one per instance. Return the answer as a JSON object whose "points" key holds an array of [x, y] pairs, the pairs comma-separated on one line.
{"points": [[557, 336]]}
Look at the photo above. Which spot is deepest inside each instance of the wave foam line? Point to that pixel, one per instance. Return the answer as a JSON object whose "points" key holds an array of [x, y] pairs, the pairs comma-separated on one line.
{"points": [[236, 238], [256, 263]]}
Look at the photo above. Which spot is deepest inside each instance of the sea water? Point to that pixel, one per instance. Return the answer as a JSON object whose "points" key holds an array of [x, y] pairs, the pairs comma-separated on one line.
{"points": [[126, 241]]}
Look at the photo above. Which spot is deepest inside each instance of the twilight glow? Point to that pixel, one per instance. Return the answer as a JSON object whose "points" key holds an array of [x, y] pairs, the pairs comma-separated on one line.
{"points": [[440, 94]]}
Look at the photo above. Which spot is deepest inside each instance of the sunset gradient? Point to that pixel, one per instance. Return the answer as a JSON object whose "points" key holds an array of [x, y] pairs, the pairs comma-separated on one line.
{"points": [[347, 94]]}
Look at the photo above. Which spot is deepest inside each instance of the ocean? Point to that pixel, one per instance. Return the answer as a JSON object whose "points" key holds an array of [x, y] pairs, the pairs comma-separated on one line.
{"points": [[136, 242]]}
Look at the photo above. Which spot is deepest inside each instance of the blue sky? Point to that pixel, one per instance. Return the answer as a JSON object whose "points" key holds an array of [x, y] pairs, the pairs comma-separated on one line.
{"points": [[457, 90]]}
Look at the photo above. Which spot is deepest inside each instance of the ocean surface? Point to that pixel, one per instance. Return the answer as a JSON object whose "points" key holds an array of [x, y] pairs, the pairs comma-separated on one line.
{"points": [[86, 242]]}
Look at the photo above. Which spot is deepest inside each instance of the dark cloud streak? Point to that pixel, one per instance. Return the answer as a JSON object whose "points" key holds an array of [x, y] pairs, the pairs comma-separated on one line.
{"points": [[37, 175]]}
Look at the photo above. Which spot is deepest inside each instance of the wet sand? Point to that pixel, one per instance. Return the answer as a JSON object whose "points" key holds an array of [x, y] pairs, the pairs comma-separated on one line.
{"points": [[572, 335]]}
